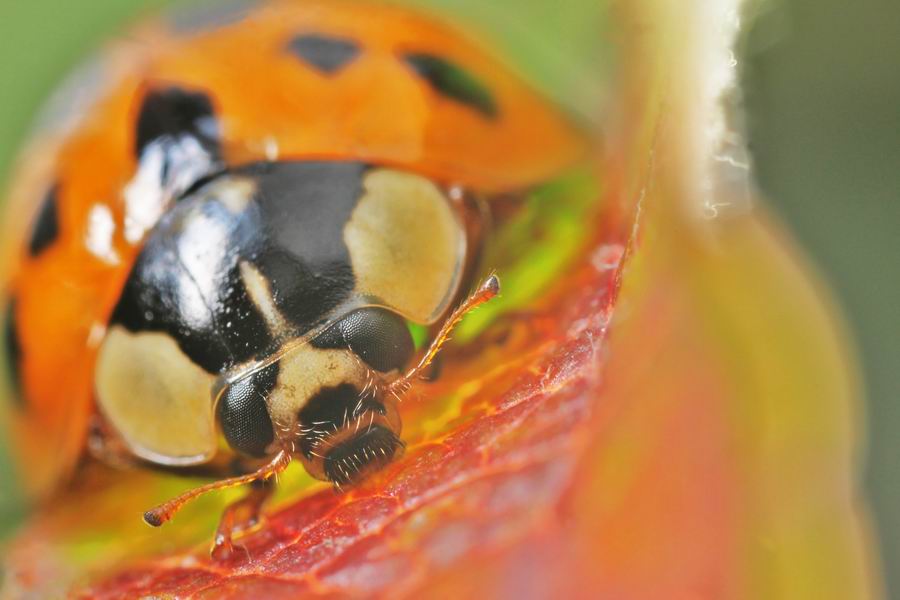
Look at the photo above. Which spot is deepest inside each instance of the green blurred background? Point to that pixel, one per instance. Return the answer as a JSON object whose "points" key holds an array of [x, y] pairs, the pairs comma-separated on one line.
{"points": [[822, 90]]}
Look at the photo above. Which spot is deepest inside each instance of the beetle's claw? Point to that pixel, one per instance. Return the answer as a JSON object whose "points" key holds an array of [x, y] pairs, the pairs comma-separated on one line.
{"points": [[223, 548]]}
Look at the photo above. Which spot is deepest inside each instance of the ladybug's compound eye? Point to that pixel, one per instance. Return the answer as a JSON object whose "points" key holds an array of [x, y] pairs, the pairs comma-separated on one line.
{"points": [[376, 335], [244, 415]]}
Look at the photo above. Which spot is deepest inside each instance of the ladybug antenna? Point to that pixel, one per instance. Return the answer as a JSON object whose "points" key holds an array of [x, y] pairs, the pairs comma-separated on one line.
{"points": [[488, 289], [165, 511]]}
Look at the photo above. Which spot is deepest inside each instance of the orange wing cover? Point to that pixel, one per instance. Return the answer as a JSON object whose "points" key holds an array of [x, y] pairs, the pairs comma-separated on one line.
{"points": [[378, 107]]}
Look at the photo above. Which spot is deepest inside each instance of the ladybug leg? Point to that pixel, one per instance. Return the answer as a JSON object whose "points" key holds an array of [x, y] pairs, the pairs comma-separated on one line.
{"points": [[239, 517], [165, 511], [434, 369], [488, 289]]}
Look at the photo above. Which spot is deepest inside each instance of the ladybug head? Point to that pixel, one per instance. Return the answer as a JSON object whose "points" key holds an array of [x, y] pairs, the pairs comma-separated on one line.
{"points": [[326, 398]]}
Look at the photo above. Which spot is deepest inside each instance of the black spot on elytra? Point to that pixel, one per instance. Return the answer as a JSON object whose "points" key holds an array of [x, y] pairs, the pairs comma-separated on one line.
{"points": [[12, 348], [325, 53], [172, 113], [46, 225], [376, 335], [176, 140], [244, 415], [453, 82]]}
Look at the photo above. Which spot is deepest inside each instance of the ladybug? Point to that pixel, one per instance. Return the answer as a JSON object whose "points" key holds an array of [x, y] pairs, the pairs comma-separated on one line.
{"points": [[233, 217]]}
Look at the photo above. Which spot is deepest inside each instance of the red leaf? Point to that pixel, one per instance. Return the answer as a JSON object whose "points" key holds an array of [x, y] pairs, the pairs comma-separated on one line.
{"points": [[481, 485]]}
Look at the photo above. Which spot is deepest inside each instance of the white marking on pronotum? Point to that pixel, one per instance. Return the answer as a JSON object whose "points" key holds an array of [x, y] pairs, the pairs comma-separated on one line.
{"points": [[258, 288]]}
